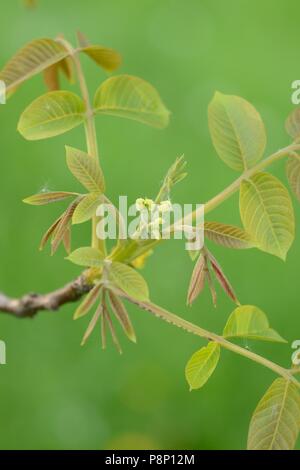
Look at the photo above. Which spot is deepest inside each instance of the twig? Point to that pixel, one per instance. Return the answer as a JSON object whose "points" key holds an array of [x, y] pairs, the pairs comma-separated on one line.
{"points": [[30, 304]]}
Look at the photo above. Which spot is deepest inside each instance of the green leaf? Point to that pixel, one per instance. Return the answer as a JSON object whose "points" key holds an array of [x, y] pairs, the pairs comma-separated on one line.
{"points": [[293, 174], [248, 321], [108, 59], [87, 256], [51, 114], [122, 316], [267, 213], [201, 365], [292, 124], [86, 169], [88, 302], [228, 236], [275, 424], [87, 207], [132, 98], [30, 60], [129, 281], [47, 197], [237, 131]]}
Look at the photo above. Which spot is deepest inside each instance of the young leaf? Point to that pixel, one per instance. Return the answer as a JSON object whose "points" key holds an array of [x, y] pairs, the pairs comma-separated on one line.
{"points": [[49, 233], [221, 278], [30, 60], [47, 197], [87, 256], [63, 226], [267, 213], [237, 131], [132, 98], [293, 174], [87, 207], [51, 74], [88, 302], [228, 236], [197, 280], [92, 324], [112, 329], [122, 315], [107, 58], [67, 240], [275, 424], [129, 281], [51, 114], [250, 322], [292, 124], [103, 330], [201, 365], [211, 287], [174, 175], [86, 169], [51, 78]]}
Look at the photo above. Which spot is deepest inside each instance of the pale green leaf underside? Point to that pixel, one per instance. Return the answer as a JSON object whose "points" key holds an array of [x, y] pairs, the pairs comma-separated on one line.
{"points": [[30, 60], [51, 114], [248, 321], [86, 169], [201, 365], [228, 236], [237, 131], [129, 281], [275, 423], [87, 207], [87, 256], [267, 213], [292, 124], [132, 98], [293, 174]]}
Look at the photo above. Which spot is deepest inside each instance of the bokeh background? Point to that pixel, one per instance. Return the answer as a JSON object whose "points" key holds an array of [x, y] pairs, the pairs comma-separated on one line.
{"points": [[55, 394]]}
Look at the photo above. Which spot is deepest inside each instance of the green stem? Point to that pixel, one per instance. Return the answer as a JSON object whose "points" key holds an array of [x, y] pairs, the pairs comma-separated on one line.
{"points": [[90, 130], [196, 330]]}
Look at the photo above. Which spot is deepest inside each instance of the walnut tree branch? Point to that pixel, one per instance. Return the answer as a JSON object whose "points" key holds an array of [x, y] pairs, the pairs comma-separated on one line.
{"points": [[30, 304]]}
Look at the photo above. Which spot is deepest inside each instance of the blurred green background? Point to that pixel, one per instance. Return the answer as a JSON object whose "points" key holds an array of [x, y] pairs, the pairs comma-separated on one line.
{"points": [[55, 394]]}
